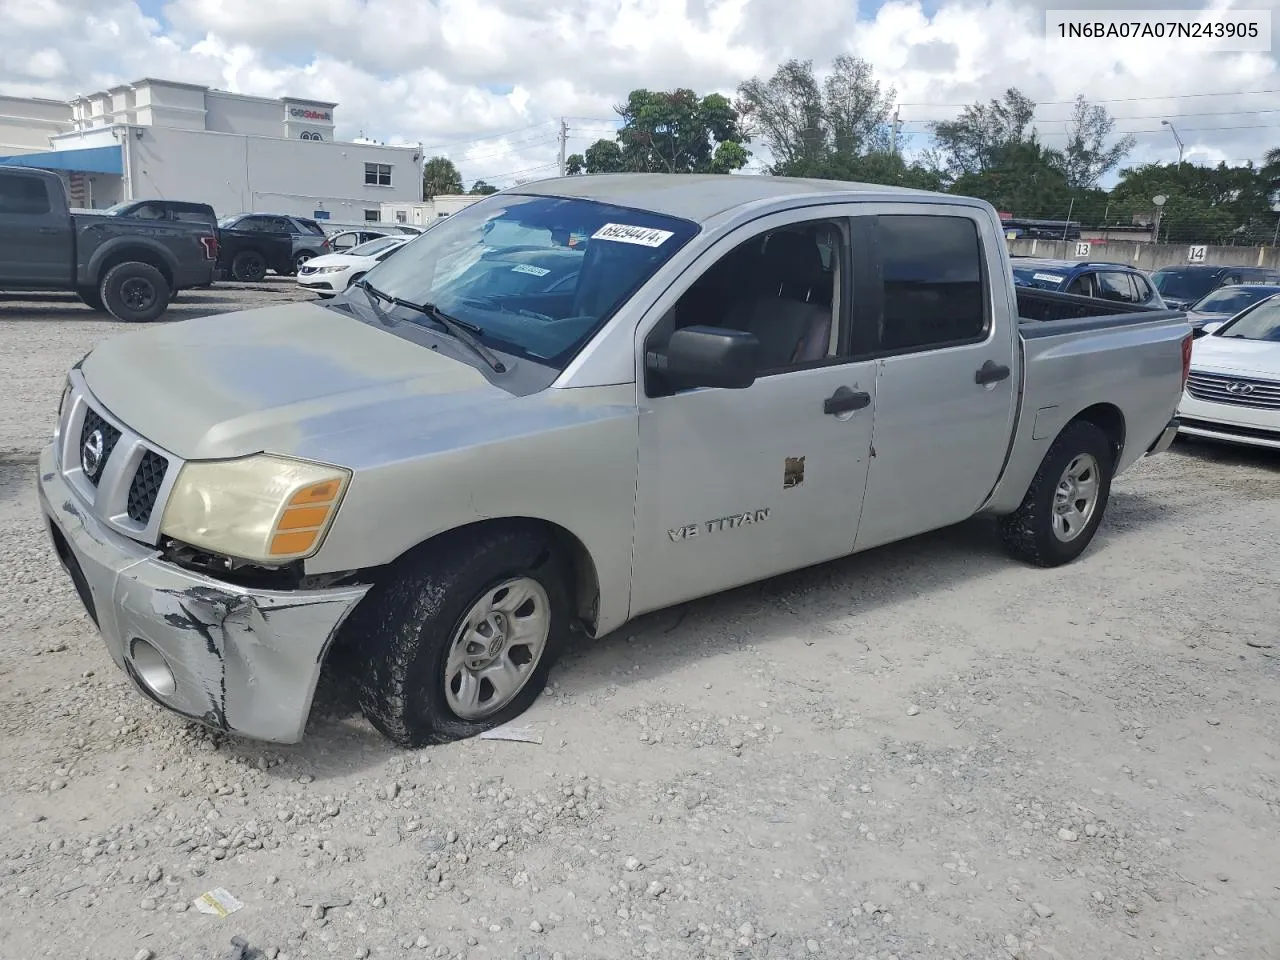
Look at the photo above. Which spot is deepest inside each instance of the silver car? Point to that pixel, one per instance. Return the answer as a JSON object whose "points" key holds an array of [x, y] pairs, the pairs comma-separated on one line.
{"points": [[440, 479]]}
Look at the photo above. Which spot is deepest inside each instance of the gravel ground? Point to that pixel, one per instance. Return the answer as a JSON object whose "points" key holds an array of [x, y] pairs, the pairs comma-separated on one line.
{"points": [[926, 751]]}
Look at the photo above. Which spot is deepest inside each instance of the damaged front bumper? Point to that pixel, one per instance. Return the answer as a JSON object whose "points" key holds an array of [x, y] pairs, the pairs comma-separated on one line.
{"points": [[240, 660]]}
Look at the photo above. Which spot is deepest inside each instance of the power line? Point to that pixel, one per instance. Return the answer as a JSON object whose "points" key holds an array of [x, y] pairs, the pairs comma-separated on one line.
{"points": [[487, 136], [1062, 103]]}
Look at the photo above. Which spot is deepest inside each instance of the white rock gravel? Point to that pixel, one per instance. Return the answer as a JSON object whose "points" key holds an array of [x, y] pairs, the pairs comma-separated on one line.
{"points": [[781, 802]]}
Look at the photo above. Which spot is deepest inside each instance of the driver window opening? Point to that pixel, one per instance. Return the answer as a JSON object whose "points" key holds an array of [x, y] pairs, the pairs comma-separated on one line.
{"points": [[783, 286]]}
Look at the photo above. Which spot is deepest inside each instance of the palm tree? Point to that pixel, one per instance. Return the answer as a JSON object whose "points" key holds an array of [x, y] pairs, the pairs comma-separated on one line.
{"points": [[1271, 169]]}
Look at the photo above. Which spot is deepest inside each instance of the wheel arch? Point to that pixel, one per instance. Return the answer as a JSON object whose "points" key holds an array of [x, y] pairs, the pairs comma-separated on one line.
{"points": [[119, 255], [1108, 418], [584, 584]]}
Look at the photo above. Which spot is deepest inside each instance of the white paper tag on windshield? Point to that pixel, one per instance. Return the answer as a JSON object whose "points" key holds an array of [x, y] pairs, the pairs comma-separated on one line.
{"points": [[530, 269], [1048, 277], [622, 233]]}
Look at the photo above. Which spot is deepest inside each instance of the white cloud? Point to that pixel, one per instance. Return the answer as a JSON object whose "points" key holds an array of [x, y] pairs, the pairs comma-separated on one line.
{"points": [[455, 74]]}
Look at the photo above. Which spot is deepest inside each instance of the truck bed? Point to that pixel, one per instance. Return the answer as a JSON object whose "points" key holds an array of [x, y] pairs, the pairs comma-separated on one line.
{"points": [[1045, 306]]}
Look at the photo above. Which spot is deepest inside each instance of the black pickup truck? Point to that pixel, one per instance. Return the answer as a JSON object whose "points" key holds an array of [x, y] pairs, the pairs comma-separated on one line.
{"points": [[129, 267]]}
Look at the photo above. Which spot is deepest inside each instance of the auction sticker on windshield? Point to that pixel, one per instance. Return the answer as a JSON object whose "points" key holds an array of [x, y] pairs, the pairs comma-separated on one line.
{"points": [[1048, 277], [530, 269], [623, 233]]}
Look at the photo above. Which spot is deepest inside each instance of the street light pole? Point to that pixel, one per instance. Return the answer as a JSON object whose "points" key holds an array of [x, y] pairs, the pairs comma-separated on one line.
{"points": [[1166, 123]]}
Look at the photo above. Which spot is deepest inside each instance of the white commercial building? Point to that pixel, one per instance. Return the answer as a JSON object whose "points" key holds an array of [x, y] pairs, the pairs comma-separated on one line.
{"points": [[179, 141], [424, 212]]}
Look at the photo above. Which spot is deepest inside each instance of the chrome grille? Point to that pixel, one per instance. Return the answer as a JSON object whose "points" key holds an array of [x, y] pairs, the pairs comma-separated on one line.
{"points": [[1236, 391], [127, 488], [107, 437], [146, 486]]}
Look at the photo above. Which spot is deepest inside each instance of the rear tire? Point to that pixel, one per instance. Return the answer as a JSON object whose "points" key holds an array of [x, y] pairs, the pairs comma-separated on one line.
{"points": [[135, 292], [91, 298], [1060, 514], [249, 266], [413, 648]]}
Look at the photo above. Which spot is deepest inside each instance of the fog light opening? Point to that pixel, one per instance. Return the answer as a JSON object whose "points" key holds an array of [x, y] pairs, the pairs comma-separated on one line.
{"points": [[152, 669]]}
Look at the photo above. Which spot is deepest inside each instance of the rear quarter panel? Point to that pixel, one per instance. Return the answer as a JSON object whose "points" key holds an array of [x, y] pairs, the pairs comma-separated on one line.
{"points": [[101, 240], [1132, 362]]}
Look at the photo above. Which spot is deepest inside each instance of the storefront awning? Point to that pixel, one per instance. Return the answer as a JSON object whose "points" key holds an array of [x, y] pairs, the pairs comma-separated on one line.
{"points": [[87, 160]]}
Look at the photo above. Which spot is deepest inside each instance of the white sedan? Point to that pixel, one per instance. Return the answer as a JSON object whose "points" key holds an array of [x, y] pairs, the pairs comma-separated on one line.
{"points": [[330, 274], [1233, 391]]}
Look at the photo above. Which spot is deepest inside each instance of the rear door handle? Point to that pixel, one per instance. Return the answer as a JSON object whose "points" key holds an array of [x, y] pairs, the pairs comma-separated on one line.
{"points": [[845, 400], [990, 372]]}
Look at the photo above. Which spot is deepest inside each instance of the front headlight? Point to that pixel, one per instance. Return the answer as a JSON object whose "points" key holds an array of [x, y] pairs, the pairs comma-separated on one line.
{"points": [[329, 269], [261, 508]]}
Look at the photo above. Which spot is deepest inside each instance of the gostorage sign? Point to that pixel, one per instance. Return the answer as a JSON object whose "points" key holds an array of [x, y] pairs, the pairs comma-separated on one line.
{"points": [[306, 113]]}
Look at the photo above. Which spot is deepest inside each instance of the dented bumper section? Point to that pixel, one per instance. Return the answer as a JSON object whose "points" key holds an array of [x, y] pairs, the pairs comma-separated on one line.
{"points": [[244, 661]]}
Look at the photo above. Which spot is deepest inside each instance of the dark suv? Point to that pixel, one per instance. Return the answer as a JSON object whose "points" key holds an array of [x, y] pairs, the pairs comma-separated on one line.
{"points": [[1184, 285], [305, 234], [1118, 282]]}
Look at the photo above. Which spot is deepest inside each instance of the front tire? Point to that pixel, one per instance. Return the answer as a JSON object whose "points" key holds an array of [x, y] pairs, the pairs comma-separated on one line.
{"points": [[135, 292], [460, 638], [1060, 514]]}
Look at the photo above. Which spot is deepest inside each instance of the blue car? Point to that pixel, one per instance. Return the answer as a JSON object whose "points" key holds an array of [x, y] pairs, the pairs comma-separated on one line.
{"points": [[1118, 282]]}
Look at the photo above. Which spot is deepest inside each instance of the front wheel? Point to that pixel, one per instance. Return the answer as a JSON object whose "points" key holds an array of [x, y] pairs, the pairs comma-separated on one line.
{"points": [[135, 292], [1064, 505], [460, 639]]}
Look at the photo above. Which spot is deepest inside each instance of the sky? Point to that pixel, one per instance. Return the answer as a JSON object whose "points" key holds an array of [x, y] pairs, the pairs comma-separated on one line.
{"points": [[486, 82]]}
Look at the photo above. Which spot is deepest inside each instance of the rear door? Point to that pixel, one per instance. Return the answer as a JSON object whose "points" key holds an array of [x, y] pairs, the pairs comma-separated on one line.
{"points": [[36, 243], [946, 387], [1116, 286]]}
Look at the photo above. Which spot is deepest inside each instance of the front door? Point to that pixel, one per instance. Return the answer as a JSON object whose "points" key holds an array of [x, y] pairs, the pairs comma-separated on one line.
{"points": [[35, 241], [946, 392], [738, 485]]}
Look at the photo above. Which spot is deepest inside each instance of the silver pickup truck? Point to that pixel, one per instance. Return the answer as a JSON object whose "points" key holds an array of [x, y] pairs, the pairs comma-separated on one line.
{"points": [[443, 472]]}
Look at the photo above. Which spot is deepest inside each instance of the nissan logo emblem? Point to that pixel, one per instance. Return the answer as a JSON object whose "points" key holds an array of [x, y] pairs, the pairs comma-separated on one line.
{"points": [[91, 453], [1240, 389]]}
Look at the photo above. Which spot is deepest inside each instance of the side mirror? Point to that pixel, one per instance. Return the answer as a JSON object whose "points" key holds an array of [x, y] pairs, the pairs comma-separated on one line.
{"points": [[707, 357], [1208, 328]]}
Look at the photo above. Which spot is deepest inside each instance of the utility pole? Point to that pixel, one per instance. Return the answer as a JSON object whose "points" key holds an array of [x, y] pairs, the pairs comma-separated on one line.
{"points": [[564, 141], [897, 123]]}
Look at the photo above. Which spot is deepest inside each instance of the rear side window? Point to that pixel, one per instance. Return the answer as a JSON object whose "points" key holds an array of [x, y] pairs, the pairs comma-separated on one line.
{"points": [[933, 286], [27, 196], [1145, 293], [1113, 285]]}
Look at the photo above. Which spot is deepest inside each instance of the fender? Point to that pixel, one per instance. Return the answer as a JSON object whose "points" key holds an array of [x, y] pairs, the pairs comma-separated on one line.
{"points": [[89, 272]]}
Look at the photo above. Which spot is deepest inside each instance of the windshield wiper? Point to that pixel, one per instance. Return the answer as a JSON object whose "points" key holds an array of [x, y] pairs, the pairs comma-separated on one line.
{"points": [[458, 329]]}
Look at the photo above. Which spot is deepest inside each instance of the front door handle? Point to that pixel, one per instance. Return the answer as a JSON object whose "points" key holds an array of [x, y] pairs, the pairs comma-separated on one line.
{"points": [[990, 372], [845, 400]]}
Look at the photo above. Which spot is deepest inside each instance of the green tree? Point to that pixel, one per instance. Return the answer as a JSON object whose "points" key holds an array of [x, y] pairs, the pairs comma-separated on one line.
{"points": [[482, 188], [810, 126], [981, 136], [1087, 158], [1021, 177], [1222, 204], [669, 132], [440, 176]]}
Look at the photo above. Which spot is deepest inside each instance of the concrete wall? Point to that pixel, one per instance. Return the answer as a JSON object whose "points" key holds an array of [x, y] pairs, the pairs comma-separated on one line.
{"points": [[1148, 256], [238, 174], [26, 125]]}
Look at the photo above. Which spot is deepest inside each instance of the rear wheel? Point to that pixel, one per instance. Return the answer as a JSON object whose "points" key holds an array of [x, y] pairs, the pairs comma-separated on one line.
{"points": [[1064, 505], [135, 292], [91, 298], [248, 266], [461, 639]]}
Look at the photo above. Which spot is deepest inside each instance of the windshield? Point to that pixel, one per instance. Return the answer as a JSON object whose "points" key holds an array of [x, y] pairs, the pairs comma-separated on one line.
{"points": [[117, 208], [371, 247], [503, 266], [1045, 278], [1184, 284], [1261, 322], [1231, 300]]}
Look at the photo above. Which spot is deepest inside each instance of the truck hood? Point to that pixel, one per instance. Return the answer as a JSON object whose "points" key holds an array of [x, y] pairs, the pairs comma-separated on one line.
{"points": [[1232, 355], [290, 379]]}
